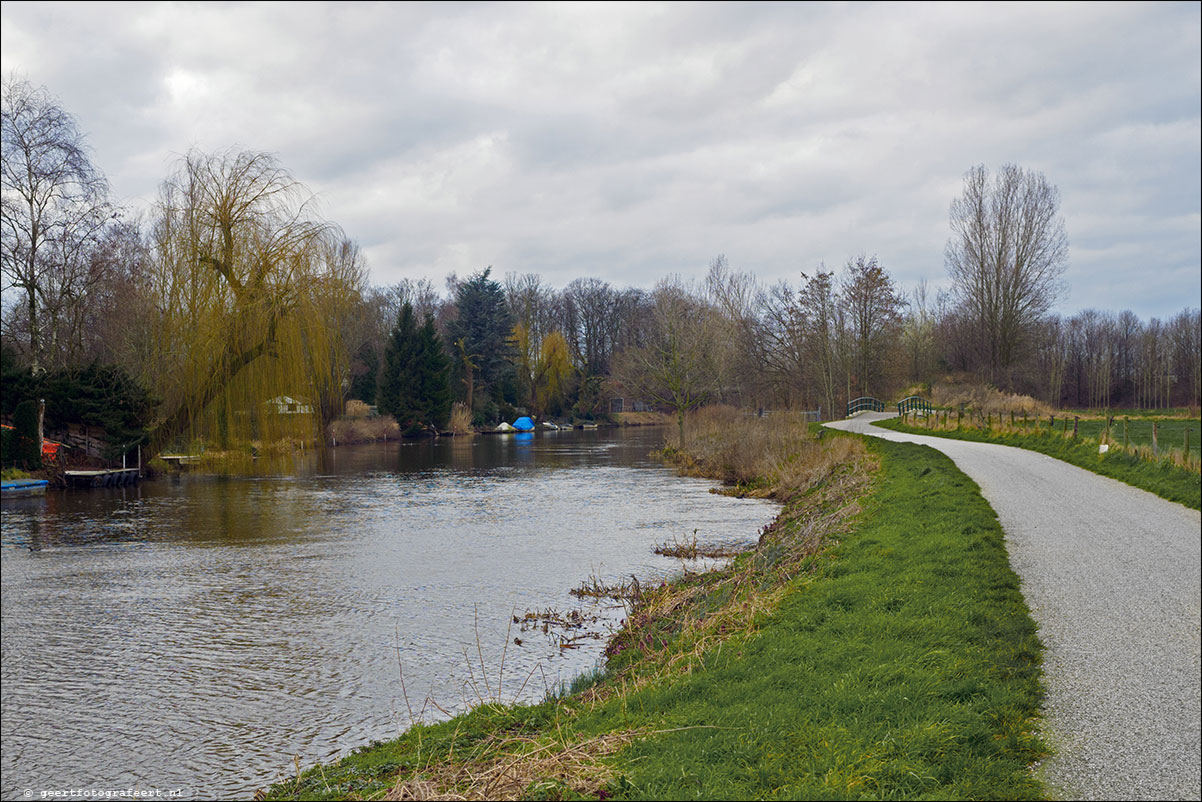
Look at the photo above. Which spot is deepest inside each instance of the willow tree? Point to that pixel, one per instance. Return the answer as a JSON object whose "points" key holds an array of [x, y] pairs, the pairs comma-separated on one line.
{"points": [[246, 281]]}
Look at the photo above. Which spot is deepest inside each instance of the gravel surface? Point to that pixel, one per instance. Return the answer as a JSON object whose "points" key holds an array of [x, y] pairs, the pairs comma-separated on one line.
{"points": [[1111, 574]]}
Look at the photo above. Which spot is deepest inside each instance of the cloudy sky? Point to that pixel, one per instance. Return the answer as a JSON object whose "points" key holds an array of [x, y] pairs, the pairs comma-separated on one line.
{"points": [[629, 140]]}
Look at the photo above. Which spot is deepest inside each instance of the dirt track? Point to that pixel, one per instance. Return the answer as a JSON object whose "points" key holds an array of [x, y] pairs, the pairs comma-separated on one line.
{"points": [[1112, 576]]}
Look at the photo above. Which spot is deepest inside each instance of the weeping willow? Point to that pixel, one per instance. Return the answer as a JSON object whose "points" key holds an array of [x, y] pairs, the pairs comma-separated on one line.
{"points": [[251, 289]]}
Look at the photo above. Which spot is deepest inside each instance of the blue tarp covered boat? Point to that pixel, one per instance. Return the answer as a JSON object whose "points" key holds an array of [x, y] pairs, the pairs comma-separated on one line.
{"points": [[20, 488], [524, 424]]}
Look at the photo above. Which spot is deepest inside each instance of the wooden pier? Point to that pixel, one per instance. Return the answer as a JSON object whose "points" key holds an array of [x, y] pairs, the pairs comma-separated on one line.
{"points": [[117, 477]]}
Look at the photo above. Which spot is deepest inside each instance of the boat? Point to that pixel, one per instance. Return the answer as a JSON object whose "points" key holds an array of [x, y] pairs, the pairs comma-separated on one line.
{"points": [[523, 424], [23, 488]]}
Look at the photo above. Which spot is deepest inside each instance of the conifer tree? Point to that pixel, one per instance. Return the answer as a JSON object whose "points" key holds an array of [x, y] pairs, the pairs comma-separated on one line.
{"points": [[435, 377], [398, 393]]}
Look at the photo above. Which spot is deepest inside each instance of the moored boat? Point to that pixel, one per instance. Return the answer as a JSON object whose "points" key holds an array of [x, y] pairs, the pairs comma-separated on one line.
{"points": [[23, 488]]}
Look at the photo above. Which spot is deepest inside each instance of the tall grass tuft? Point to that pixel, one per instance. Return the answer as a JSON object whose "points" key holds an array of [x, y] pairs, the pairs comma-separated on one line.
{"points": [[461, 419]]}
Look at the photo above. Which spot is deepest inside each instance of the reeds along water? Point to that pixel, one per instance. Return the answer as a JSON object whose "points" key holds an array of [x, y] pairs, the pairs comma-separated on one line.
{"points": [[772, 457]]}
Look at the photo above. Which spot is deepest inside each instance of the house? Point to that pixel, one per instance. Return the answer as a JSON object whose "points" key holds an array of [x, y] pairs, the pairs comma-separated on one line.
{"points": [[286, 405]]}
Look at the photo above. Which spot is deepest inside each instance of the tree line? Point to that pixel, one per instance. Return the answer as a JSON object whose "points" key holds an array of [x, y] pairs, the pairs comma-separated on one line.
{"points": [[231, 293]]}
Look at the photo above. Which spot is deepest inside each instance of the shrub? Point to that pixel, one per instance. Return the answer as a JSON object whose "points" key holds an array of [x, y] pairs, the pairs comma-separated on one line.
{"points": [[357, 409]]}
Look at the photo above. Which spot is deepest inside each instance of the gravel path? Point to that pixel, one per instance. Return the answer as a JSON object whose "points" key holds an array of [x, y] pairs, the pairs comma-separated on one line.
{"points": [[1111, 574]]}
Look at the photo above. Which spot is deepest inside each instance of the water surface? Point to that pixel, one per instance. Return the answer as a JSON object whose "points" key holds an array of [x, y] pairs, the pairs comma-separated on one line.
{"points": [[196, 634]]}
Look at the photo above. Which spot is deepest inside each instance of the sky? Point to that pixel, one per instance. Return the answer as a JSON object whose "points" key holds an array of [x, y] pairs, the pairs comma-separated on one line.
{"points": [[630, 141]]}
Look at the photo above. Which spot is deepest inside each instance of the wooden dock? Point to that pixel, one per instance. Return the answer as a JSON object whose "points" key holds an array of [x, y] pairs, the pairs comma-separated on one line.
{"points": [[117, 477]]}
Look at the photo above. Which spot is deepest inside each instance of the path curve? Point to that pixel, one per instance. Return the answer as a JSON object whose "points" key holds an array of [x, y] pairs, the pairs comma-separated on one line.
{"points": [[1112, 576]]}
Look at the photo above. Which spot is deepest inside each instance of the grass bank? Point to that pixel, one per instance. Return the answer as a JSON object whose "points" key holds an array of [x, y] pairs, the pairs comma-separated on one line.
{"points": [[874, 645], [1171, 477]]}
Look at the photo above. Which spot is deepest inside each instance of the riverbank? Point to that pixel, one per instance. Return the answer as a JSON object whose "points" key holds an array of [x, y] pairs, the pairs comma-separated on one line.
{"points": [[874, 644], [1172, 476]]}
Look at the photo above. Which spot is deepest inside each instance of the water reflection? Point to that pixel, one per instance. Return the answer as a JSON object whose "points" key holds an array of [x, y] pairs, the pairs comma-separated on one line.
{"points": [[197, 633]]}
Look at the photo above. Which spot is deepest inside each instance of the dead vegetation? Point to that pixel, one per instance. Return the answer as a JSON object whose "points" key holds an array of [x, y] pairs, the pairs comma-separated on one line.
{"points": [[758, 457], [986, 400], [646, 418], [461, 419], [564, 629], [518, 767], [690, 549], [362, 429]]}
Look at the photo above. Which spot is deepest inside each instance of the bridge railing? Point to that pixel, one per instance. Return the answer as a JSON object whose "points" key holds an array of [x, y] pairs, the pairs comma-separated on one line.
{"points": [[863, 403], [914, 403]]}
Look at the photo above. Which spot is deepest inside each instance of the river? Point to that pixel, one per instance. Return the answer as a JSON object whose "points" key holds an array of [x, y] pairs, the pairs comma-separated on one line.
{"points": [[193, 636]]}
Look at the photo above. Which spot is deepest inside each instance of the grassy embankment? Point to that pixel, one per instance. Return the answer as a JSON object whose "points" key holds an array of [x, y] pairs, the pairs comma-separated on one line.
{"points": [[874, 644], [1174, 475]]}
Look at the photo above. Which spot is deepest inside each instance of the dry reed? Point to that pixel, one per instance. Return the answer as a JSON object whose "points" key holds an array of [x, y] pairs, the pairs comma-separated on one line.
{"points": [[351, 430], [461, 419], [356, 409]]}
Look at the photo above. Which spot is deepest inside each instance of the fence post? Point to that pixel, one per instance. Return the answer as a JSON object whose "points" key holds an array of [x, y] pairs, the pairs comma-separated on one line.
{"points": [[1075, 419], [1187, 431], [1125, 422], [1106, 434], [1155, 442]]}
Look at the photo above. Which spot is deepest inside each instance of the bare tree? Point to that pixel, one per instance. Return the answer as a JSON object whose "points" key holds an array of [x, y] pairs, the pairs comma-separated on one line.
{"points": [[55, 205], [874, 312], [820, 313], [677, 368], [1006, 255], [918, 334], [739, 299]]}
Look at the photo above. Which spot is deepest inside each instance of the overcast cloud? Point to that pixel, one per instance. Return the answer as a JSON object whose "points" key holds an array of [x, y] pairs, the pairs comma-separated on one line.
{"points": [[628, 141]]}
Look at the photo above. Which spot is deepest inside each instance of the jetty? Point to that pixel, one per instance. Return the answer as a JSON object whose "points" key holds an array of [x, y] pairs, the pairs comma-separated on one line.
{"points": [[115, 477]]}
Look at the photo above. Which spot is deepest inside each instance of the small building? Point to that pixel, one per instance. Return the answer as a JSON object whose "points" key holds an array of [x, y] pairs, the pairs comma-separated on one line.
{"points": [[286, 405]]}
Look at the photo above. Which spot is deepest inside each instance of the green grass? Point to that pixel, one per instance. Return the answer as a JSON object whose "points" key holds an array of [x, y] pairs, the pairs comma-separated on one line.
{"points": [[1162, 477], [900, 661], [1170, 432]]}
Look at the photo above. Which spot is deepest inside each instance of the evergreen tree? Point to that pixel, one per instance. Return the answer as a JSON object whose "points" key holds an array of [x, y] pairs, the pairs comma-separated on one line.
{"points": [[480, 337], [397, 393], [435, 377], [27, 447]]}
